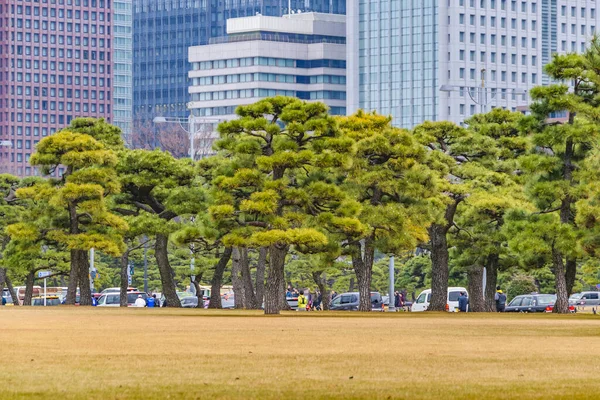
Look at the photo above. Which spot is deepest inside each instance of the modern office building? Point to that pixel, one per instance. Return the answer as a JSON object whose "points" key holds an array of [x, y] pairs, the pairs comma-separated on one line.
{"points": [[165, 29], [123, 66], [428, 59], [298, 55], [55, 65]]}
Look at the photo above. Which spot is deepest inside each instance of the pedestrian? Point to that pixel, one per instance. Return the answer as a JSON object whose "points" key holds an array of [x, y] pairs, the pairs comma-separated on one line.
{"points": [[151, 301], [333, 295], [318, 300], [139, 302], [500, 300], [3, 300], [402, 301], [463, 302], [94, 301], [302, 302], [397, 300]]}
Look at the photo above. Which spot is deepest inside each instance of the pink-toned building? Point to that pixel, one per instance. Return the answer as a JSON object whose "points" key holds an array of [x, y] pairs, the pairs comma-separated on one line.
{"points": [[55, 65]]}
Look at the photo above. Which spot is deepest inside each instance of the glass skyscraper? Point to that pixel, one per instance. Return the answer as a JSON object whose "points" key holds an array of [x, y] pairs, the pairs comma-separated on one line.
{"points": [[420, 60], [122, 66], [163, 31]]}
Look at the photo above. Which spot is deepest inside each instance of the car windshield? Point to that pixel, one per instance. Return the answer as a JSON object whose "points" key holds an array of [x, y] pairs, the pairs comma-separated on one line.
{"points": [[575, 296], [545, 300], [421, 298], [515, 302]]}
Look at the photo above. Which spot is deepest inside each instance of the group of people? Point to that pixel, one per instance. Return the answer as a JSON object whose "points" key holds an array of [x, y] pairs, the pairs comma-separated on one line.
{"points": [[307, 300]]}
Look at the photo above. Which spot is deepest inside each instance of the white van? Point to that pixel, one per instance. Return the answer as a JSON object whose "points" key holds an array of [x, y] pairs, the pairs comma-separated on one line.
{"points": [[424, 299]]}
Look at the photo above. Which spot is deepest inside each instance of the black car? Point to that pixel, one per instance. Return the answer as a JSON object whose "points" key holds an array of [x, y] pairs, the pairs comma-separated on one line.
{"points": [[529, 303], [350, 301]]}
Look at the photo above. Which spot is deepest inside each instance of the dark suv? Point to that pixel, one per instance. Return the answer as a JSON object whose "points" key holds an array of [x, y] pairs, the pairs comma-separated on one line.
{"points": [[350, 301]]}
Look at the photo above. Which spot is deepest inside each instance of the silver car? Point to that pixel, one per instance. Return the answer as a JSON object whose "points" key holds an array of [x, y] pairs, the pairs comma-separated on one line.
{"points": [[588, 299]]}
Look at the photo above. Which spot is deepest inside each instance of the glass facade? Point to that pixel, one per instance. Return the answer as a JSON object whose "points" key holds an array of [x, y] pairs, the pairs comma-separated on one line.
{"points": [[163, 31], [398, 55], [122, 66]]}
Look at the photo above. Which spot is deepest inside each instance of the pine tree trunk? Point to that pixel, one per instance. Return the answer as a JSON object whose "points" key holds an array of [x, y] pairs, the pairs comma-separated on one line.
{"points": [[236, 279], [261, 268], [166, 272], [124, 279], [274, 292], [439, 268], [250, 297], [73, 279], [475, 284], [571, 274], [12, 291], [2, 282], [562, 298], [85, 291], [320, 281], [217, 279], [363, 269], [28, 289], [491, 280]]}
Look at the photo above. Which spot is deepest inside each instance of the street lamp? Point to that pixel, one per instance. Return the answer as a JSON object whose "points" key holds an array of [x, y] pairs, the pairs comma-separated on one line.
{"points": [[479, 95], [192, 122]]}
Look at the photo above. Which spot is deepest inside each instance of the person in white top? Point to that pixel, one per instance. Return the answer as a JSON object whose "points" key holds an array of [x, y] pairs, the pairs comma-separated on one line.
{"points": [[140, 302]]}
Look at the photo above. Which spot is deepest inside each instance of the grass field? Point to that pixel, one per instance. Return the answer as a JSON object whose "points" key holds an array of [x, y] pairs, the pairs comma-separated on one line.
{"points": [[64, 353]]}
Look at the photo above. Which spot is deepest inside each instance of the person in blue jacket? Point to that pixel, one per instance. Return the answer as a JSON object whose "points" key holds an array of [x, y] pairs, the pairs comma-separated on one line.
{"points": [[463, 302]]}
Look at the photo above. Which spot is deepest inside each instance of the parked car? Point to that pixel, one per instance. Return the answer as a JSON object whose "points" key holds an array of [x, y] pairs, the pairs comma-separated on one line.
{"points": [[529, 303], [424, 299], [350, 302], [117, 290], [189, 302], [588, 299], [113, 299], [50, 301], [574, 298]]}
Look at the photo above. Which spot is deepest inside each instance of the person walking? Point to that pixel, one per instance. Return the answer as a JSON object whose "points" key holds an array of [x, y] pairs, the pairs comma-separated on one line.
{"points": [[500, 300], [318, 301], [139, 302], [463, 302], [397, 300], [302, 302]]}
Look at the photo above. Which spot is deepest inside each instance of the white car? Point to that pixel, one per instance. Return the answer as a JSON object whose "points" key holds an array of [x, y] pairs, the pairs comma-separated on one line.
{"points": [[109, 299], [424, 299]]}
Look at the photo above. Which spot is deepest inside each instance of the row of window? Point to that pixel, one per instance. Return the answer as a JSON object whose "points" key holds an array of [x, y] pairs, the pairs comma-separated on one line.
{"points": [[52, 118], [60, 12], [482, 22], [268, 61], [493, 76], [44, 51], [60, 26], [61, 66], [503, 59], [493, 41], [52, 39], [264, 77], [85, 3], [524, 7], [249, 93], [492, 4], [45, 105], [230, 110], [75, 80]]}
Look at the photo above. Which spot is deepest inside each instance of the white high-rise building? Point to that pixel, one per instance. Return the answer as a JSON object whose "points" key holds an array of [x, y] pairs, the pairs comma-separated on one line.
{"points": [[423, 60], [299, 55]]}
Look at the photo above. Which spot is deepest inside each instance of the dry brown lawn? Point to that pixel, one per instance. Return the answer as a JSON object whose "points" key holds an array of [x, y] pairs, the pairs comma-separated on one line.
{"points": [[76, 353]]}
